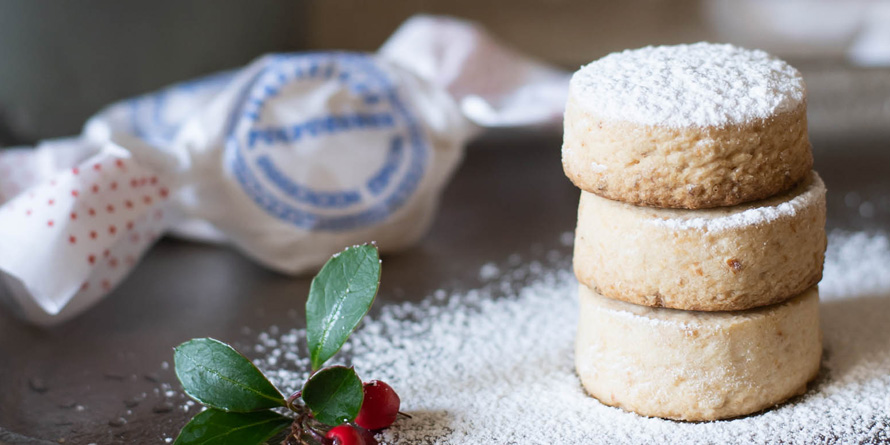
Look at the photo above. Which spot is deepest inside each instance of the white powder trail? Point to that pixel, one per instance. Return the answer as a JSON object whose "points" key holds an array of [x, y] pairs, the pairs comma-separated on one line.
{"points": [[494, 365]]}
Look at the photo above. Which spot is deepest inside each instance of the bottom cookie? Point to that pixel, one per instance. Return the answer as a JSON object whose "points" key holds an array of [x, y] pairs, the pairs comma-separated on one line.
{"points": [[696, 366]]}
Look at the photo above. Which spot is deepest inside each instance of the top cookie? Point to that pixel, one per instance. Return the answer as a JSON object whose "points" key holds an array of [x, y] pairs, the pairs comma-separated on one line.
{"points": [[686, 126]]}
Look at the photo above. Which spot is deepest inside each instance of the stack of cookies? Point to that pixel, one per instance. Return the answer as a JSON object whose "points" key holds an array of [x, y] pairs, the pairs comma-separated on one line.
{"points": [[701, 231]]}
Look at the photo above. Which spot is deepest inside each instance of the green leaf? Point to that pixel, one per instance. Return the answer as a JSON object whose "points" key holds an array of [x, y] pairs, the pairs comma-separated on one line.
{"points": [[339, 297], [334, 395], [215, 427], [216, 375]]}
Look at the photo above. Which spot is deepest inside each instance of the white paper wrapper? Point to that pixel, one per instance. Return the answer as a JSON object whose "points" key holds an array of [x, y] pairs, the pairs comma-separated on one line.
{"points": [[289, 159]]}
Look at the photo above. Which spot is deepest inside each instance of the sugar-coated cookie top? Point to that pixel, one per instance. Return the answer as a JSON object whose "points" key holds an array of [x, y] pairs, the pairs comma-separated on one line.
{"points": [[806, 195], [716, 320], [701, 84]]}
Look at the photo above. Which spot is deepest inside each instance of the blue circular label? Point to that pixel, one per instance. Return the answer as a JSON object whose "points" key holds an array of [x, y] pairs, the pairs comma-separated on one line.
{"points": [[324, 142]]}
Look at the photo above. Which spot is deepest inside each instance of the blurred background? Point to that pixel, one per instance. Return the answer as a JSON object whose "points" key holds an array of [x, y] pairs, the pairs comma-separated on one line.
{"points": [[62, 61]]}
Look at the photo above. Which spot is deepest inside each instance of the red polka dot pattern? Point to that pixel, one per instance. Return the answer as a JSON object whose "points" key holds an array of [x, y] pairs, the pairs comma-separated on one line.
{"points": [[85, 225]]}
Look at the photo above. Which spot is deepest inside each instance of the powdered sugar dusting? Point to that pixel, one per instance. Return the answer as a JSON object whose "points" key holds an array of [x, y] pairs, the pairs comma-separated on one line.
{"points": [[761, 212], [686, 320], [489, 271], [597, 168], [701, 84], [495, 364]]}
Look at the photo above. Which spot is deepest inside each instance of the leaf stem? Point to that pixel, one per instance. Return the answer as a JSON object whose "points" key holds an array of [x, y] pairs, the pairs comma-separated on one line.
{"points": [[291, 402], [312, 431]]}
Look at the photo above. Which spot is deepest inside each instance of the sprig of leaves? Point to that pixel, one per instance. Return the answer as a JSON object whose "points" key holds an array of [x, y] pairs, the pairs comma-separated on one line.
{"points": [[239, 395], [339, 297]]}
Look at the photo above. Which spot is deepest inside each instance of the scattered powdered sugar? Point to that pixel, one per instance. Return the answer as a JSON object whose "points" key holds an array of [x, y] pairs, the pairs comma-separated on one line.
{"points": [[567, 238], [489, 271], [744, 215], [701, 84], [495, 364], [597, 168], [857, 264]]}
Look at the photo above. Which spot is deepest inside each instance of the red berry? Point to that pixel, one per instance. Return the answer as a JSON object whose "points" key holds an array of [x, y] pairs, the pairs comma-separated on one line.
{"points": [[380, 408], [345, 435], [368, 437]]}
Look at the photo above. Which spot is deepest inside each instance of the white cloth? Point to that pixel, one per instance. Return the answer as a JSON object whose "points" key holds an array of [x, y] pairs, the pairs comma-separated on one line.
{"points": [[289, 159]]}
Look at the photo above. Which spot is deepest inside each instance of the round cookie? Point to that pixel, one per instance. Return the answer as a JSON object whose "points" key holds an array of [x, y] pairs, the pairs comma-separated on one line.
{"points": [[696, 366], [686, 126], [721, 259]]}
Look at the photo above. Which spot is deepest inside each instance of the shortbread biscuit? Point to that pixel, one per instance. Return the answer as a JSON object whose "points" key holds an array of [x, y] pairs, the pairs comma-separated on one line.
{"points": [[687, 126], [696, 366], [721, 259]]}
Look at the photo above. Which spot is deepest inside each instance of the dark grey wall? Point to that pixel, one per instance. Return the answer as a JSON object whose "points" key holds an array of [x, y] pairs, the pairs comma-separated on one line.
{"points": [[60, 61]]}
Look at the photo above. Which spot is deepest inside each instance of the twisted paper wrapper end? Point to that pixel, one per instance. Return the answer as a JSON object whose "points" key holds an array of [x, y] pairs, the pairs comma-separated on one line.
{"points": [[89, 222]]}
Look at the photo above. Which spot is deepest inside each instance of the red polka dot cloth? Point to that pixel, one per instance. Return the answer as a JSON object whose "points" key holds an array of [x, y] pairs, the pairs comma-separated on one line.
{"points": [[79, 219]]}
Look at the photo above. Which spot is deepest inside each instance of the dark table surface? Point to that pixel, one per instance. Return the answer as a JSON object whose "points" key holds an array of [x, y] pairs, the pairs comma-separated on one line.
{"points": [[70, 383]]}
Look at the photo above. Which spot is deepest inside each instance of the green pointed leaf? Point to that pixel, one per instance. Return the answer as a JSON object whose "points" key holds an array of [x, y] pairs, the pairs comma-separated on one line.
{"points": [[334, 395], [215, 427], [218, 376], [339, 297]]}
